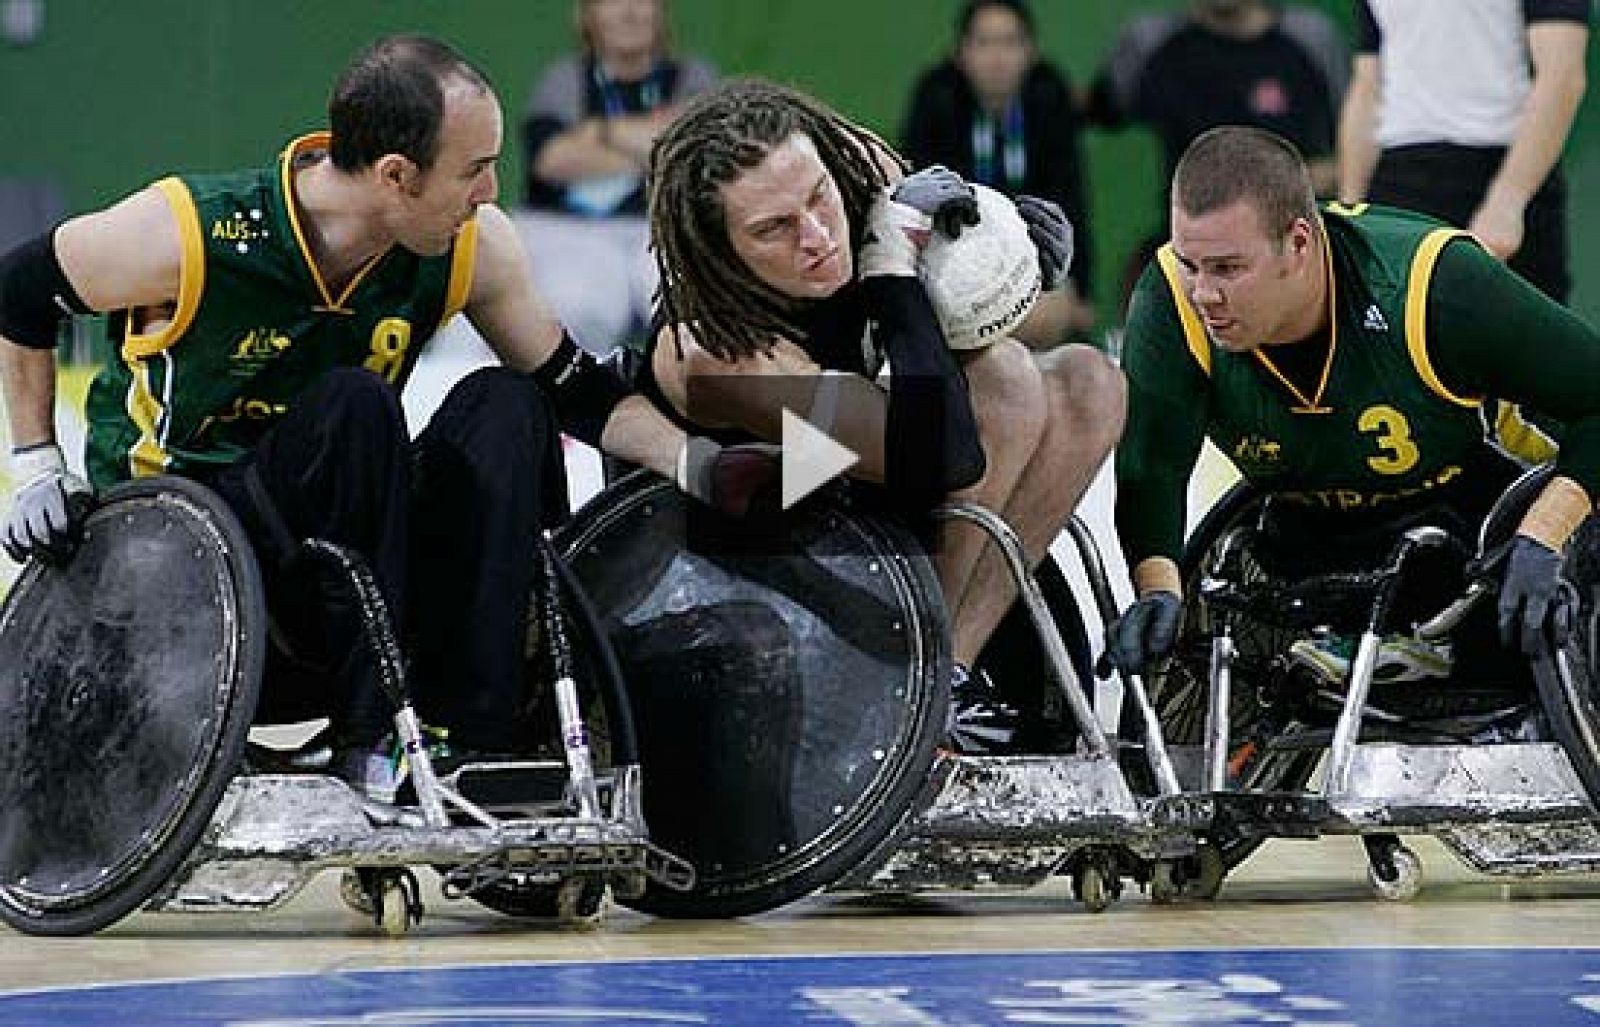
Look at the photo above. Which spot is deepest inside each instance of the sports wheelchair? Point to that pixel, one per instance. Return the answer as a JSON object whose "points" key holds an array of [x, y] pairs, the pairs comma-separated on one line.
{"points": [[1498, 758], [789, 677], [129, 680], [785, 701]]}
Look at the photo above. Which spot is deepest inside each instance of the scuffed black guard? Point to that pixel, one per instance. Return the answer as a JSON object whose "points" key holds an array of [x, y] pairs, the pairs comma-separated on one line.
{"points": [[787, 697], [127, 682]]}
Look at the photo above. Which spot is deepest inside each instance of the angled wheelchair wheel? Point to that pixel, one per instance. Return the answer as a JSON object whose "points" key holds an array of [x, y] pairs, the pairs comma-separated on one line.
{"points": [[1180, 693], [1570, 697], [1569, 691], [128, 680], [788, 679]]}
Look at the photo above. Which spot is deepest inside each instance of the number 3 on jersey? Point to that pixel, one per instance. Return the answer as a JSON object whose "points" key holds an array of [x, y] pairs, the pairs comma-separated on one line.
{"points": [[1392, 435]]}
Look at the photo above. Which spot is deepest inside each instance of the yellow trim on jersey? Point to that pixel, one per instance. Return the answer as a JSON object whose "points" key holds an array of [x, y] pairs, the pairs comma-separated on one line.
{"points": [[1521, 437], [463, 262], [330, 304], [191, 277], [1422, 264], [1194, 333], [147, 456], [1313, 404]]}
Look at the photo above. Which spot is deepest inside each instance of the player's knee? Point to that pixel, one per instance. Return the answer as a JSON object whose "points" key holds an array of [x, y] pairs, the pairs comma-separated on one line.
{"points": [[356, 400], [1092, 390], [1005, 379], [498, 403]]}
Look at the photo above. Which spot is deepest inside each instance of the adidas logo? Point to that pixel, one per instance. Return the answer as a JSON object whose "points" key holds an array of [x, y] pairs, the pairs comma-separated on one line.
{"points": [[1373, 321]]}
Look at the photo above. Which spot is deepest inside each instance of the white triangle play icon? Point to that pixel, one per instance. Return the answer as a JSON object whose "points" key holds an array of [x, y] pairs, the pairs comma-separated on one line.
{"points": [[810, 459]]}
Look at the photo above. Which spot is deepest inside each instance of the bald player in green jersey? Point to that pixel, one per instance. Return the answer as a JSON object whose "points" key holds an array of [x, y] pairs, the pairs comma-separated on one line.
{"points": [[263, 323], [1339, 357]]}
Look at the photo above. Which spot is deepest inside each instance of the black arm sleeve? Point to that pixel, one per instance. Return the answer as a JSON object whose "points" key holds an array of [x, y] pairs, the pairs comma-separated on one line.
{"points": [[1490, 333], [1168, 402], [584, 391], [931, 445], [35, 294]]}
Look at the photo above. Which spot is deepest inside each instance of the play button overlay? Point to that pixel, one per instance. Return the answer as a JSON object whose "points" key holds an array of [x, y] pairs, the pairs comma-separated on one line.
{"points": [[810, 459]]}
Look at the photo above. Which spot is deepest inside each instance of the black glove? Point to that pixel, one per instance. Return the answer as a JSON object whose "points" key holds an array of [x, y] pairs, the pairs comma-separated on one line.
{"points": [[1532, 575], [733, 479], [46, 517], [1052, 236], [941, 195], [1145, 632]]}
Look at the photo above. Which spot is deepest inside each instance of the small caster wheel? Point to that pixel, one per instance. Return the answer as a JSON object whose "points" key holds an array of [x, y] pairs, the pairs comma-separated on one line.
{"points": [[1168, 881], [579, 901], [1207, 869], [1091, 888], [1395, 874], [389, 895]]}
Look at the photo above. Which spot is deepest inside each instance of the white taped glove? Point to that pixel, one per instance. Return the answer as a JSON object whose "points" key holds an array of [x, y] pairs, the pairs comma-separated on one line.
{"points": [[46, 517]]}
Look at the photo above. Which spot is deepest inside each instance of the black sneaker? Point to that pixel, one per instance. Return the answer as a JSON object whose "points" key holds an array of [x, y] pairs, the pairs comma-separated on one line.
{"points": [[981, 723]]}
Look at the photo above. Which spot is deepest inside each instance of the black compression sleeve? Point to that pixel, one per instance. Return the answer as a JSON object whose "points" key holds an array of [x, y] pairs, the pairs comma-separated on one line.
{"points": [[1490, 333], [584, 391], [35, 294], [931, 445]]}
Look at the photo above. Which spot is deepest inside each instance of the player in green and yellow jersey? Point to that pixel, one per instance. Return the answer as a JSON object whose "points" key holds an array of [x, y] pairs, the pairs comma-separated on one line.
{"points": [[1339, 357], [263, 324]]}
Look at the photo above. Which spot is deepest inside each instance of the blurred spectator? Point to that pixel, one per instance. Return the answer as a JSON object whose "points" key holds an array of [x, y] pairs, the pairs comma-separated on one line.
{"points": [[587, 135], [998, 114], [1226, 62], [1460, 109]]}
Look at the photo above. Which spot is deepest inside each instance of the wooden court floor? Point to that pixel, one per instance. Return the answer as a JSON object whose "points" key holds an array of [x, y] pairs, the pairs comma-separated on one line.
{"points": [[1292, 894]]}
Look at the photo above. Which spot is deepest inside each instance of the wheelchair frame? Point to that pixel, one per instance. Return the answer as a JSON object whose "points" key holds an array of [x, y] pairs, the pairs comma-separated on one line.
{"points": [[1002, 822], [1009, 822], [1504, 808]]}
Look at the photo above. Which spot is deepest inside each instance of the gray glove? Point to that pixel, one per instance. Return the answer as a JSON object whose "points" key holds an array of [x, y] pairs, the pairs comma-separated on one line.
{"points": [[941, 195], [46, 517], [1145, 633], [1533, 572], [1052, 236]]}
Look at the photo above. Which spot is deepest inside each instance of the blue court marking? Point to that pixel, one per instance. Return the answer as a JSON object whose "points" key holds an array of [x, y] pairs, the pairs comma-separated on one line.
{"points": [[1309, 986]]}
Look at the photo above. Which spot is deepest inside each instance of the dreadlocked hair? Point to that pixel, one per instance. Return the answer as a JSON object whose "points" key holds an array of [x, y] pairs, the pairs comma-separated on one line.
{"points": [[723, 133]]}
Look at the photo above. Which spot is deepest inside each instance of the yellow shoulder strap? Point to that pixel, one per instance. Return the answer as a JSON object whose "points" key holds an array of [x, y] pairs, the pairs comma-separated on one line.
{"points": [[1422, 264], [1194, 333]]}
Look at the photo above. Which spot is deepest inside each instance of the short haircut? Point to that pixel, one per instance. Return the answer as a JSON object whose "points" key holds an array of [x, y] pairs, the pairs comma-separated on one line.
{"points": [[972, 8], [390, 99], [1234, 162], [723, 133]]}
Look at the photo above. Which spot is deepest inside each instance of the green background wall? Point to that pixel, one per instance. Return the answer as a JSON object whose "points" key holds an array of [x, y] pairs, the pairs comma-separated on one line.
{"points": [[116, 94]]}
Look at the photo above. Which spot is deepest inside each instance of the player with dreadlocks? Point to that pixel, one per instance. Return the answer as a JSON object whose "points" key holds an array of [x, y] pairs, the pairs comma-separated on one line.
{"points": [[782, 231]]}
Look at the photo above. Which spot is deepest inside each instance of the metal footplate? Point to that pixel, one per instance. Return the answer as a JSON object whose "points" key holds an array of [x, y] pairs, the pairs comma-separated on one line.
{"points": [[1249, 814], [273, 832], [1425, 786], [1010, 822]]}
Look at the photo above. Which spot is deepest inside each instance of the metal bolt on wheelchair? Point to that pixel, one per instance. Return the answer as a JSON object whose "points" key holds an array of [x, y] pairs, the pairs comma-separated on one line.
{"points": [[129, 680], [1275, 677]]}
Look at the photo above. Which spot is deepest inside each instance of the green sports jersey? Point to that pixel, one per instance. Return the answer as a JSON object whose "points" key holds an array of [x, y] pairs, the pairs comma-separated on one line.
{"points": [[254, 325], [1367, 425]]}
